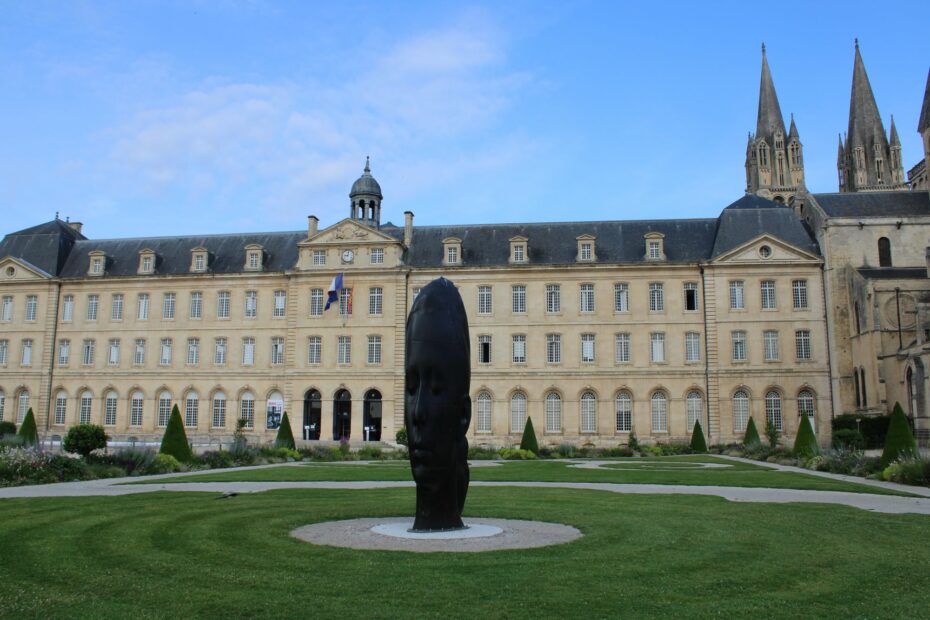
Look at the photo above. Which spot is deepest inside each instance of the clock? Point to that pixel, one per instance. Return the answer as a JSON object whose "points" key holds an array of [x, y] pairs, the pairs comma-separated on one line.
{"points": [[347, 256]]}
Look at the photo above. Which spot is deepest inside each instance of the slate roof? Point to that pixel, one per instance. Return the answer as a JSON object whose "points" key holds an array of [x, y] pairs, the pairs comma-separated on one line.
{"points": [[751, 216], [45, 246], [874, 204], [893, 273]]}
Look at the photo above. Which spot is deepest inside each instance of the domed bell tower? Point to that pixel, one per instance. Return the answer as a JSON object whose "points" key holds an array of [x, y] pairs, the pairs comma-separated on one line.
{"points": [[365, 199]]}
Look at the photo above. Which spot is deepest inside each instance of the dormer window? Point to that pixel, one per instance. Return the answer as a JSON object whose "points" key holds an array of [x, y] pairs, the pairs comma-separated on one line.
{"points": [[452, 251], [146, 262], [98, 263], [585, 248], [518, 249], [655, 246], [198, 259], [253, 257]]}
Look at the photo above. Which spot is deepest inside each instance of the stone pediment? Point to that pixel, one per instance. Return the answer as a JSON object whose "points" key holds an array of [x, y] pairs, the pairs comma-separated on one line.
{"points": [[348, 231], [766, 249], [14, 269]]}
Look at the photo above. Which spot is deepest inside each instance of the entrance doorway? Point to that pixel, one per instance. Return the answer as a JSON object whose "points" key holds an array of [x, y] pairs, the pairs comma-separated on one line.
{"points": [[342, 415], [313, 415], [371, 418]]}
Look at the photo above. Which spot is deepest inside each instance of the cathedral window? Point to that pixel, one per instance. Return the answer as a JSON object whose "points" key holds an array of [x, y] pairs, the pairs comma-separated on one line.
{"points": [[884, 252]]}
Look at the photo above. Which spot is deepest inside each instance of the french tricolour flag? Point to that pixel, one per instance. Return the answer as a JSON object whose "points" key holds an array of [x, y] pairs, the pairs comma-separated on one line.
{"points": [[333, 292]]}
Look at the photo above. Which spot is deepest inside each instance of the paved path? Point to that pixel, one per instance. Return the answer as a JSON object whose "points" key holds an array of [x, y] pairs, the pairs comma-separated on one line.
{"points": [[864, 501]]}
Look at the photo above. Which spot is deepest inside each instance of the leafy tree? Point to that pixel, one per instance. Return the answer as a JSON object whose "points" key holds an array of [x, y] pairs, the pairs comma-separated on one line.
{"points": [[805, 444], [772, 433], [85, 438], [900, 440], [285, 438], [698, 443], [751, 438], [27, 430], [175, 440], [528, 441], [632, 442]]}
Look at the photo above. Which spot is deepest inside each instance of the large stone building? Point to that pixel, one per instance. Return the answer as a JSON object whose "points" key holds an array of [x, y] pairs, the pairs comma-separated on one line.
{"points": [[594, 329]]}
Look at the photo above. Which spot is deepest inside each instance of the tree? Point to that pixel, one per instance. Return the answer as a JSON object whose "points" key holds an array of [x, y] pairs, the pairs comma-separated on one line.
{"points": [[175, 440], [772, 433], [751, 438], [528, 441], [698, 443], [28, 431], [805, 444], [285, 438], [900, 440], [85, 438], [401, 436]]}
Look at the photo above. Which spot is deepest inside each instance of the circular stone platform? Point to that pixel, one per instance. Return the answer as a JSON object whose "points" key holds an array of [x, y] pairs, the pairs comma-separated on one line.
{"points": [[391, 534]]}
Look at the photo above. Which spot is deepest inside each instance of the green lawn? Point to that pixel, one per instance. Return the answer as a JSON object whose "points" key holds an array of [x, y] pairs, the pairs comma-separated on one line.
{"points": [[662, 470], [181, 555]]}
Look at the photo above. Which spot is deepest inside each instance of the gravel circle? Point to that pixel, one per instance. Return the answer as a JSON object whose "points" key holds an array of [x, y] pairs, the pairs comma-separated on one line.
{"points": [[358, 534]]}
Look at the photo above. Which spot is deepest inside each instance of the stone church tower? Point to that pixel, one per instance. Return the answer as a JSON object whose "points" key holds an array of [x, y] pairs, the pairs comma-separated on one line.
{"points": [[774, 159], [868, 160]]}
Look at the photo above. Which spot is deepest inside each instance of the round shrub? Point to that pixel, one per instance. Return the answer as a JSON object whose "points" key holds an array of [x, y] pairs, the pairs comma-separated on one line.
{"points": [[174, 441], [900, 440], [85, 438], [164, 464]]}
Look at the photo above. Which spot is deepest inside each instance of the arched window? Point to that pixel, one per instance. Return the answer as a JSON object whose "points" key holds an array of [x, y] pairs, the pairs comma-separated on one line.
{"points": [[588, 413], [2, 403], [659, 406], [191, 409], [109, 408], [483, 413], [164, 408], [274, 410], [61, 407], [553, 413], [623, 406], [884, 252], [695, 409], [247, 409], [87, 402], [136, 403], [219, 410], [773, 409], [740, 411], [807, 406], [517, 412]]}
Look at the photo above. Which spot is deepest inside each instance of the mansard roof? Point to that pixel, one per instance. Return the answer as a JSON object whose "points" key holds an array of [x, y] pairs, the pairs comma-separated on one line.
{"points": [[875, 204], [45, 246], [751, 216]]}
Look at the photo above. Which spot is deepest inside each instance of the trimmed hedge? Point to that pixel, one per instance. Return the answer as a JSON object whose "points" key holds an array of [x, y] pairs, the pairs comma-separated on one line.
{"points": [[27, 430], [874, 429], [805, 444], [900, 440], [175, 442], [85, 438], [285, 438], [528, 441], [7, 428], [751, 436], [698, 443]]}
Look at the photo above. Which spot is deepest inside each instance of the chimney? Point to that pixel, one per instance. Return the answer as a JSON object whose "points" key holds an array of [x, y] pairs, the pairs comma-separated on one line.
{"points": [[76, 226], [312, 222], [408, 228]]}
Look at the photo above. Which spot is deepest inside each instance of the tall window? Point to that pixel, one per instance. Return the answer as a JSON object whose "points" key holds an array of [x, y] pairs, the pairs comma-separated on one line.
{"points": [[222, 305], [248, 351], [167, 306], [113, 352], [219, 351], [621, 297], [138, 352], [623, 408], [277, 350], [799, 294], [32, 303], [67, 308], [773, 409], [61, 407], [87, 402], [165, 357], [280, 301], [485, 302], [884, 252], [695, 405], [3, 404], [26, 358], [93, 304], [345, 301], [64, 352], [116, 307], [344, 350], [164, 408], [657, 348], [768, 294], [691, 296], [375, 305], [200, 262], [656, 297], [806, 405], [517, 412], [770, 342], [802, 344], [588, 413], [484, 349], [319, 257], [518, 348], [659, 406], [219, 410], [739, 346], [374, 350], [518, 295], [193, 351], [519, 253], [737, 302], [452, 255], [586, 253], [377, 256], [586, 298], [4, 351], [553, 298], [23, 408], [314, 349], [587, 348], [483, 413], [251, 304], [316, 302], [247, 410], [655, 250], [740, 410], [142, 306], [6, 314], [692, 347], [109, 409], [622, 348], [553, 413], [191, 406], [87, 353], [553, 348]]}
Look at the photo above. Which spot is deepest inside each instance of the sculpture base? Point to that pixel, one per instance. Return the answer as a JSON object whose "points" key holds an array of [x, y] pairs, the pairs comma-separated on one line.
{"points": [[402, 530]]}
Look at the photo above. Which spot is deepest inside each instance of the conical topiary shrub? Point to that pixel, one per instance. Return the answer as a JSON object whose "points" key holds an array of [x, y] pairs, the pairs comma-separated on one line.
{"points": [[27, 430], [528, 442], [285, 438], [751, 438], [805, 444], [698, 443], [900, 440], [175, 440]]}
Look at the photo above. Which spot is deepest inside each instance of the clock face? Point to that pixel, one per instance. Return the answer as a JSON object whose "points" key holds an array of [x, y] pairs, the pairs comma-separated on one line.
{"points": [[347, 256]]}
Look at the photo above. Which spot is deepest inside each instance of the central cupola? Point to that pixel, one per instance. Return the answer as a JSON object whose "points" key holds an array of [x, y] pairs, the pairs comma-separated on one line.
{"points": [[365, 199]]}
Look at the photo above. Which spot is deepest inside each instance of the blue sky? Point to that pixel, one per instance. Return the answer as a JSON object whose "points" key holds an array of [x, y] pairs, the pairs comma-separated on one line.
{"points": [[142, 118]]}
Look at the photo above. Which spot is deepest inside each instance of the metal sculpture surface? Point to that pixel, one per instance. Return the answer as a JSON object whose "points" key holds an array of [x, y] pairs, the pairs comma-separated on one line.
{"points": [[437, 406]]}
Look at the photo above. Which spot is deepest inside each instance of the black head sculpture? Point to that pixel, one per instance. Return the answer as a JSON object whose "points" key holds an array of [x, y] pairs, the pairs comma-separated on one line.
{"points": [[437, 407]]}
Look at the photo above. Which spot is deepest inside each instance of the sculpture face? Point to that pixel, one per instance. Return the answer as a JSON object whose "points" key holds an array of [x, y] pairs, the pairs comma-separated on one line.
{"points": [[437, 408]]}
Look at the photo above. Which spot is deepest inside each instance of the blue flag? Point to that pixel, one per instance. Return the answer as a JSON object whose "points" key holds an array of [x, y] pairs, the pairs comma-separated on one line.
{"points": [[334, 289]]}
